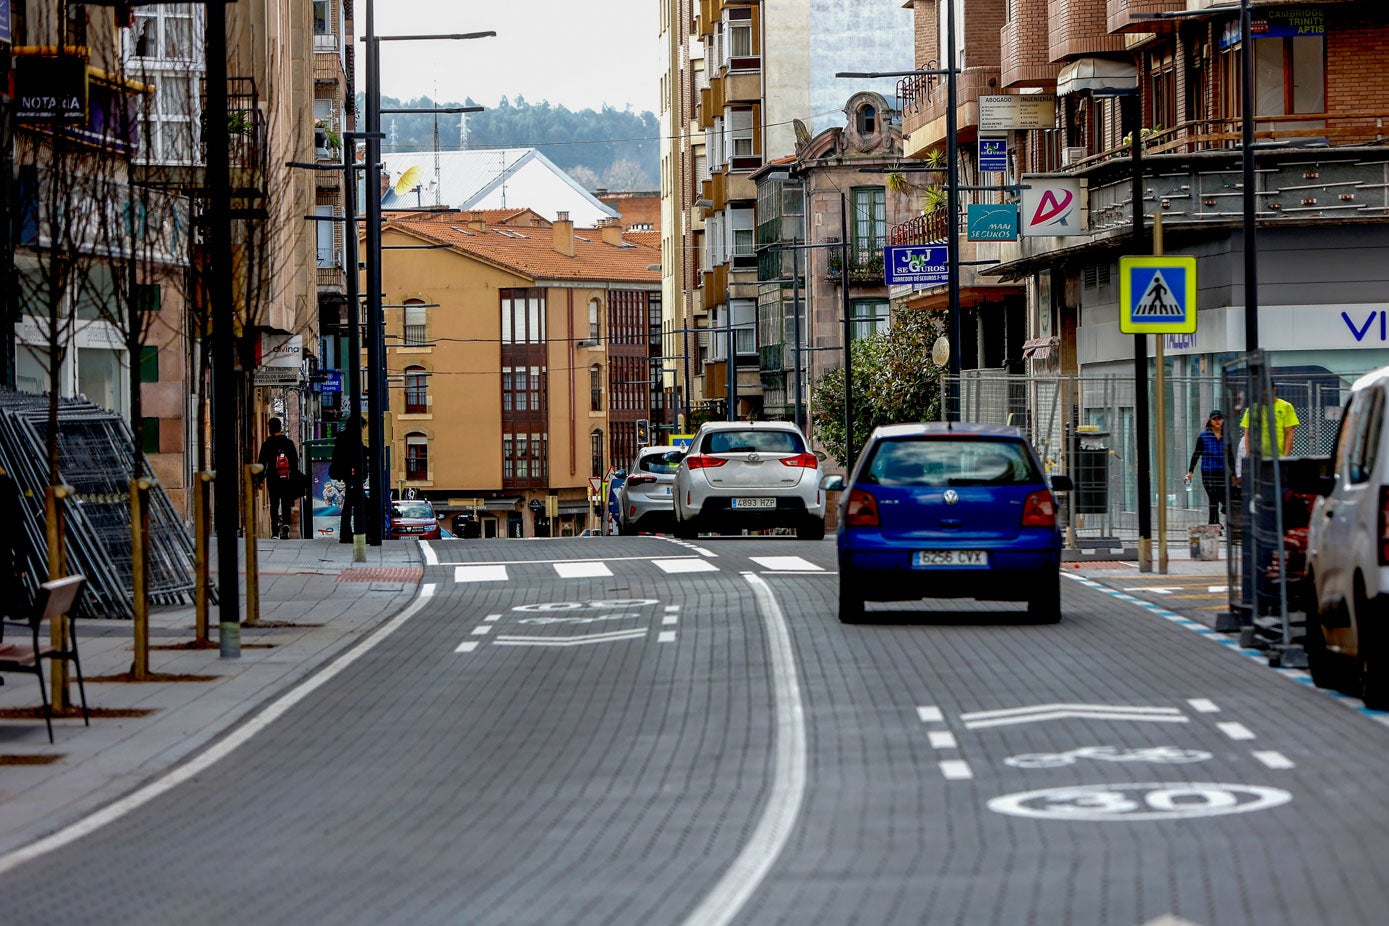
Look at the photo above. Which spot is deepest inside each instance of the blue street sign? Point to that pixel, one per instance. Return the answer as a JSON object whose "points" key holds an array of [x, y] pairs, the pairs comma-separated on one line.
{"points": [[917, 264], [4, 20], [993, 155], [332, 382], [1157, 295]]}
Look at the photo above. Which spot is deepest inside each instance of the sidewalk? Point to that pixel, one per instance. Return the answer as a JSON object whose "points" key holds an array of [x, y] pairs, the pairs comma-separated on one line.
{"points": [[322, 603]]}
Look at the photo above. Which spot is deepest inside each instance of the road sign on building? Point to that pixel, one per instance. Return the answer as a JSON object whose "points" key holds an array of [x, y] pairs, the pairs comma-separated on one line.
{"points": [[1157, 295], [917, 264]]}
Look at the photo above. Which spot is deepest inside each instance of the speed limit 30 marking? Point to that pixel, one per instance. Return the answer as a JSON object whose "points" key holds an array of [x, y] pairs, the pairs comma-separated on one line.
{"points": [[1126, 803]]}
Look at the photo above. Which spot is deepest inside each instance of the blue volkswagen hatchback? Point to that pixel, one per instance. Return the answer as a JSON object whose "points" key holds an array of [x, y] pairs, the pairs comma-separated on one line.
{"points": [[944, 510]]}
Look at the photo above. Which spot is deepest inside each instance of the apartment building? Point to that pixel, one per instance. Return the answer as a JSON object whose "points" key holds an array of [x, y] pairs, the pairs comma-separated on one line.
{"points": [[744, 81], [522, 352]]}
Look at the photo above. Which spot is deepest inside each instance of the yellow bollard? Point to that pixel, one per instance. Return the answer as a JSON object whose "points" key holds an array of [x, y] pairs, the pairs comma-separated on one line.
{"points": [[54, 499], [139, 575], [201, 532], [248, 487]]}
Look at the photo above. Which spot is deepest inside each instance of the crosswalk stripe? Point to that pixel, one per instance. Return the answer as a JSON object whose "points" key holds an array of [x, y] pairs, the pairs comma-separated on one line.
{"points": [[582, 570], [479, 574], [672, 566], [786, 563]]}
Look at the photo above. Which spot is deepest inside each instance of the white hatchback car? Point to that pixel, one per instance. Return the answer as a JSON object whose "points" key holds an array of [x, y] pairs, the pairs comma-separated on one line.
{"points": [[749, 475], [645, 493], [1348, 554]]}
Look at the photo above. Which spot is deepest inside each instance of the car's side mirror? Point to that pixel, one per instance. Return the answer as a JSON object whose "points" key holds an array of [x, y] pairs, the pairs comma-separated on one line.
{"points": [[832, 483], [1062, 483], [621, 474], [821, 456]]}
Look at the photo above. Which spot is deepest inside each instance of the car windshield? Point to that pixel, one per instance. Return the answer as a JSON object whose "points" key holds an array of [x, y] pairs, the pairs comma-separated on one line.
{"points": [[656, 463], [753, 441], [945, 462], [413, 510]]}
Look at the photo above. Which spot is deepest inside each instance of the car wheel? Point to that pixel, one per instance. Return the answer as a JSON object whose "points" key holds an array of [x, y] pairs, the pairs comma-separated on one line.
{"points": [[811, 529], [686, 529], [1374, 679], [1326, 668], [850, 601], [1044, 606]]}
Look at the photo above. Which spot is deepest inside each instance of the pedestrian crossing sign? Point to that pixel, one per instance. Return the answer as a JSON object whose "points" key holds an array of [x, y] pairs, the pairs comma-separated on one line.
{"points": [[1157, 295]]}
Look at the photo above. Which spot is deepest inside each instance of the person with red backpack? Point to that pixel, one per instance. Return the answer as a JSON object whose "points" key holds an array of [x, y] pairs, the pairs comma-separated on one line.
{"points": [[280, 460]]}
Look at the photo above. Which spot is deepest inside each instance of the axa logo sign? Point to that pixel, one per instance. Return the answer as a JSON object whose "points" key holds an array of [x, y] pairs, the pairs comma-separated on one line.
{"points": [[1051, 206]]}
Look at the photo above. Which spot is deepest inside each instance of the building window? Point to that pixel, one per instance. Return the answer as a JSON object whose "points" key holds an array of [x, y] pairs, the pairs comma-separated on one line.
{"points": [[149, 436], [1290, 75], [871, 316], [416, 324], [327, 256], [595, 309], [524, 457], [416, 391], [867, 120], [869, 224], [523, 316], [416, 458], [740, 40], [149, 364], [321, 10], [595, 448], [1163, 80], [595, 388]]}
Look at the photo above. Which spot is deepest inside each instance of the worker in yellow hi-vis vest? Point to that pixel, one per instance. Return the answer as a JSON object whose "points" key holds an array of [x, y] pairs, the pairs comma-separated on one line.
{"points": [[1284, 424]]}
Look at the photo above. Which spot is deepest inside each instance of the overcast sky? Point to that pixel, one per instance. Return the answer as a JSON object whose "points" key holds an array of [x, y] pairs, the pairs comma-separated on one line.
{"points": [[579, 55]]}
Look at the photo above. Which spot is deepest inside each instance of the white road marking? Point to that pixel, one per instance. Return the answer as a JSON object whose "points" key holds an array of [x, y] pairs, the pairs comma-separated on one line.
{"points": [[929, 714], [1273, 759], [703, 552], [209, 757], [467, 647], [1217, 588], [1041, 712], [1235, 731], [787, 791], [956, 770], [672, 607], [550, 561], [667, 636], [493, 617], [1203, 705], [430, 557], [670, 619], [582, 570], [1155, 589], [786, 563], [670, 566], [427, 590], [479, 574], [481, 630], [942, 739], [609, 637]]}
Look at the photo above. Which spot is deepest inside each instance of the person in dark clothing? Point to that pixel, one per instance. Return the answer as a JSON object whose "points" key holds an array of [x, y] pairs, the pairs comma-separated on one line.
{"points": [[12, 594], [345, 467], [1215, 458], [280, 458]]}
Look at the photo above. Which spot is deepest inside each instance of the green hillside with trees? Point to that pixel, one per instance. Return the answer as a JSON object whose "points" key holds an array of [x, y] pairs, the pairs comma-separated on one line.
{"points": [[610, 149]]}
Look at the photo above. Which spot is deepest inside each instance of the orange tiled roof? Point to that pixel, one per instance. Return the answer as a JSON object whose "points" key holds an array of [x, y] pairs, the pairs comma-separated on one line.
{"points": [[530, 251]]}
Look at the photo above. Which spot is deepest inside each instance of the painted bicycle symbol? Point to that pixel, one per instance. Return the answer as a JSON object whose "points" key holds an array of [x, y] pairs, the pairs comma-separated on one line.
{"points": [[1163, 755]]}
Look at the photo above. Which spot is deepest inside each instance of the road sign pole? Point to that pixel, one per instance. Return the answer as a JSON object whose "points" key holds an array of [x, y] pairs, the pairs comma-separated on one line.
{"points": [[1133, 118], [1161, 414]]}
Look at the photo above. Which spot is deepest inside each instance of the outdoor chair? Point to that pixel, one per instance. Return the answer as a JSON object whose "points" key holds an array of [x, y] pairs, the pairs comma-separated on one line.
{"points": [[55, 601]]}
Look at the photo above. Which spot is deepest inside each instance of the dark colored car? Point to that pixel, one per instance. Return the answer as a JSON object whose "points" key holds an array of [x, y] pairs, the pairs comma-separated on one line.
{"points": [[413, 518], [949, 511]]}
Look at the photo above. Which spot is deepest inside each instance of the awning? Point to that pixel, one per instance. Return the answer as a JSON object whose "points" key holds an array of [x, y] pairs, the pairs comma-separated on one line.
{"points": [[502, 504], [1038, 348], [1097, 75]]}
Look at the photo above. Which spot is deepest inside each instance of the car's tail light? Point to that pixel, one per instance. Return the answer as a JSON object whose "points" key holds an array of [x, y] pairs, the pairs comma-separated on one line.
{"points": [[1384, 525], [700, 461], [640, 480], [1039, 510], [632, 512], [803, 460], [861, 510]]}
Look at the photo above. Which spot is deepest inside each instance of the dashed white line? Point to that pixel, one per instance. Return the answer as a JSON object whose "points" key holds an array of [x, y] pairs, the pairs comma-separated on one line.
{"points": [[941, 739], [667, 636], [492, 617], [582, 570], [672, 566], [479, 574], [427, 590], [1235, 731], [786, 563], [956, 770], [481, 630], [670, 619], [467, 647], [672, 607], [1274, 759], [430, 557], [1203, 705], [929, 714]]}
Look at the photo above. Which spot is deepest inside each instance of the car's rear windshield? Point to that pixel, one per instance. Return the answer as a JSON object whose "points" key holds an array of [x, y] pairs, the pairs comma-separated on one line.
{"points": [[947, 462], [412, 510], [656, 463], [753, 441]]}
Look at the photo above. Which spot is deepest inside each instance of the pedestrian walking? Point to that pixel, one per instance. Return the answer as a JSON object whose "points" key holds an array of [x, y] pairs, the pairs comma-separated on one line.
{"points": [[345, 467], [1285, 423], [1215, 459], [280, 459]]}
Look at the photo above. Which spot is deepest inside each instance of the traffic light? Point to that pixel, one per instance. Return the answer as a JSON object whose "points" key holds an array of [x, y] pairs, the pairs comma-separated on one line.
{"points": [[643, 432]]}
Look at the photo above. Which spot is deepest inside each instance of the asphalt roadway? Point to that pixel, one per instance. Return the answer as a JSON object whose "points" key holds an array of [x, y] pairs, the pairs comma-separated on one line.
{"points": [[648, 731]]}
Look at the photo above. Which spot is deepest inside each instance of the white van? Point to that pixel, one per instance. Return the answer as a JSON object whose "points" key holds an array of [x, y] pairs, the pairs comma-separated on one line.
{"points": [[1348, 554]]}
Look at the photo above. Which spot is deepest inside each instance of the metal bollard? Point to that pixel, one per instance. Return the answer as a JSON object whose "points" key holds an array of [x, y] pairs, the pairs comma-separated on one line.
{"points": [[252, 566], [201, 531], [139, 572], [55, 498]]}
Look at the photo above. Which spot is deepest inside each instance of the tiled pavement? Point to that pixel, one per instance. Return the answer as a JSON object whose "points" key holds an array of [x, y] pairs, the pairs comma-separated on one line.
{"points": [[315, 602]]}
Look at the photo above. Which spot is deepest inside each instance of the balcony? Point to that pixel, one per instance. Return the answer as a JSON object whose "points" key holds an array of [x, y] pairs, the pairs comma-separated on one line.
{"points": [[1079, 27], [1025, 62], [924, 103], [1122, 14], [931, 228]]}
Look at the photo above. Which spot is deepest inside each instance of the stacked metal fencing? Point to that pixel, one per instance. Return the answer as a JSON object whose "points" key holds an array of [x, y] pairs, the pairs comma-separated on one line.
{"points": [[94, 453]]}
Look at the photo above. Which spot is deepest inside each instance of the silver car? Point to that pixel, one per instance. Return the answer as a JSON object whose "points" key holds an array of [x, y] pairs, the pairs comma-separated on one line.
{"points": [[645, 494], [749, 475]]}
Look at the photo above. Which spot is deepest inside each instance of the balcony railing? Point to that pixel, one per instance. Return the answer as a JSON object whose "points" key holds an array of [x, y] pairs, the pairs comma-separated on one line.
{"points": [[930, 228]]}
